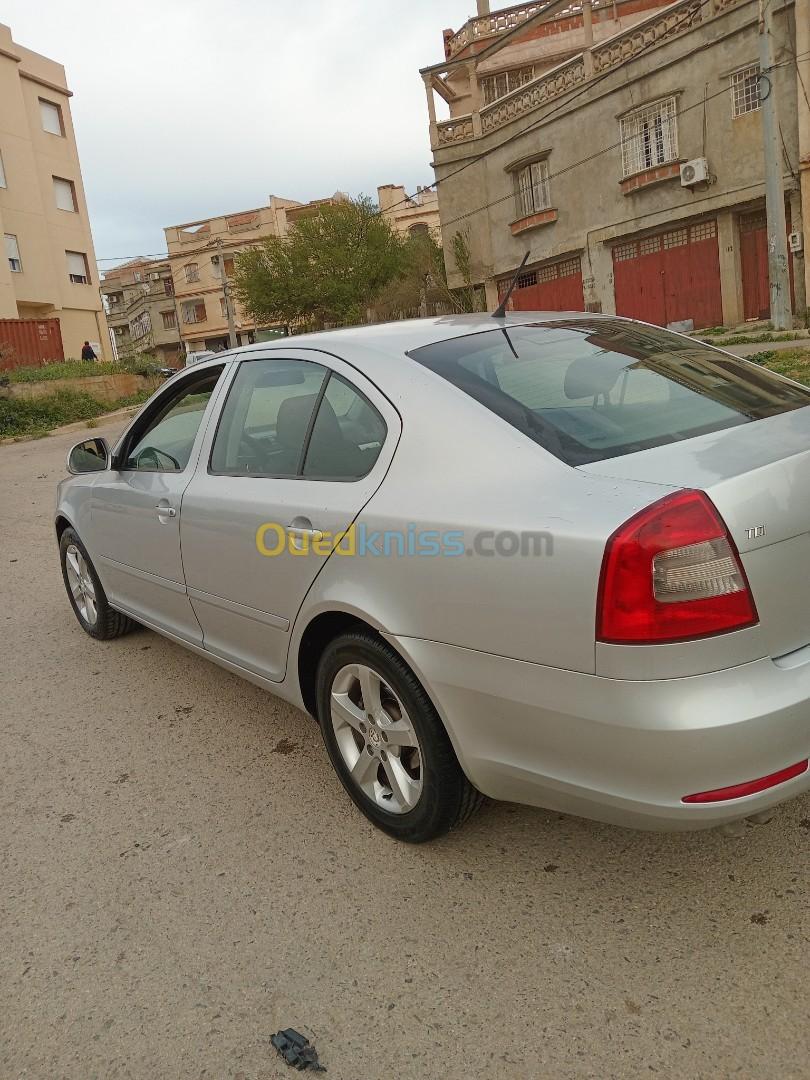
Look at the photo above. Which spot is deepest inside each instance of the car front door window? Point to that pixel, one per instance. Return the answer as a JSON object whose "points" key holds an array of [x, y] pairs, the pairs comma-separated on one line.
{"points": [[165, 444]]}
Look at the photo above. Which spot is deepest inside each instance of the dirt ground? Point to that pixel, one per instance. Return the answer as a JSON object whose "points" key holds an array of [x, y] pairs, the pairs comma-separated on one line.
{"points": [[181, 875]]}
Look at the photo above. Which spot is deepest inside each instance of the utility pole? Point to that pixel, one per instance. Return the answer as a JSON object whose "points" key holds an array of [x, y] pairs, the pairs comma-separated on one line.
{"points": [[226, 292], [778, 276], [802, 17]]}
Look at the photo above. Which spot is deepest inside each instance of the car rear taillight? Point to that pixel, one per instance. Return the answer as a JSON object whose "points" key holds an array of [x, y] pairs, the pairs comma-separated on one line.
{"points": [[672, 573]]}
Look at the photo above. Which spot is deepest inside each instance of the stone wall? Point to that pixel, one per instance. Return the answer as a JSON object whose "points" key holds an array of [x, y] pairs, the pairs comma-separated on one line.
{"points": [[108, 388]]}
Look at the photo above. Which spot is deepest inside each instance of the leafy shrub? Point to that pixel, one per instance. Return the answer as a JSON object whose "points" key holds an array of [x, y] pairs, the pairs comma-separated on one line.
{"points": [[25, 417], [38, 416], [82, 369]]}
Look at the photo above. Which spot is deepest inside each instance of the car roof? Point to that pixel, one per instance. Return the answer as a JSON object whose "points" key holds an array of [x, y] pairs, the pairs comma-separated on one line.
{"points": [[396, 338]]}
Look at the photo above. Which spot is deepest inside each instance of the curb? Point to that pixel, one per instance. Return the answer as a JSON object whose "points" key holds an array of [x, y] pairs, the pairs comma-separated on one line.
{"points": [[66, 429]]}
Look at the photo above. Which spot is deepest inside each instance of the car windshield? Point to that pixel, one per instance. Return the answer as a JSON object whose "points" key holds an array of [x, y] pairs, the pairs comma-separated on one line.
{"points": [[590, 389]]}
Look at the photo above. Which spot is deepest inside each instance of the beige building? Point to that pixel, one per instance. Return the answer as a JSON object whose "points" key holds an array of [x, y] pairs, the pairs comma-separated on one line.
{"points": [[49, 268], [141, 310], [410, 213], [201, 256], [619, 143]]}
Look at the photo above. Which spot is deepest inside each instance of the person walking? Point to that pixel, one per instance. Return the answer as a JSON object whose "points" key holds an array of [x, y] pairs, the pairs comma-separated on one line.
{"points": [[87, 352]]}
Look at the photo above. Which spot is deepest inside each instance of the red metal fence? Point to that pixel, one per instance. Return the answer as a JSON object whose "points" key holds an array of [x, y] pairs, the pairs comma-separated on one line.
{"points": [[29, 342]]}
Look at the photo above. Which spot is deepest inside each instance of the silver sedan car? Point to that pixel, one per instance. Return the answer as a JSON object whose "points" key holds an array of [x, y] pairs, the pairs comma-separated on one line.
{"points": [[556, 559]]}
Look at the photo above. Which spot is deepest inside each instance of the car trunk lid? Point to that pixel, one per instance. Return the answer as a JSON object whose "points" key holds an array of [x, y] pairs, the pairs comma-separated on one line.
{"points": [[758, 477]]}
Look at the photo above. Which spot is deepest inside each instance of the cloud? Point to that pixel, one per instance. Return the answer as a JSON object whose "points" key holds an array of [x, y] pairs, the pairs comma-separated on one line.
{"points": [[188, 108]]}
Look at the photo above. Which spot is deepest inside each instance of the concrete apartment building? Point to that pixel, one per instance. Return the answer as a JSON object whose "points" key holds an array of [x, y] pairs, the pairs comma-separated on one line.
{"points": [[410, 213], [623, 149], [201, 256], [49, 268], [141, 310]]}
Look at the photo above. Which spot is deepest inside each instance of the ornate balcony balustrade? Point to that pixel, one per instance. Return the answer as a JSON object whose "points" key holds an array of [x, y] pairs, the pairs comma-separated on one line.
{"points": [[617, 50]]}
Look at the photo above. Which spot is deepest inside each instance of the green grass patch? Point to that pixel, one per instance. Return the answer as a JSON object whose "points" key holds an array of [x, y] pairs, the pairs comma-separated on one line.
{"points": [[38, 416], [81, 369], [755, 339], [793, 363]]}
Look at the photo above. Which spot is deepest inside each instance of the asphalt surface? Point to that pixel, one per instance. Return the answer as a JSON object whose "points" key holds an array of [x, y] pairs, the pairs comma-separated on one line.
{"points": [[181, 875]]}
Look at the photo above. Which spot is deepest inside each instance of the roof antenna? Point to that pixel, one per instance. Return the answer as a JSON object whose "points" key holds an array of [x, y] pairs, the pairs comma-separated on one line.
{"points": [[500, 311]]}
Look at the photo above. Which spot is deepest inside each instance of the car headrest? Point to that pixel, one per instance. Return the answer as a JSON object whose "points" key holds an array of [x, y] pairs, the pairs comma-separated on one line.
{"points": [[293, 419], [591, 376]]}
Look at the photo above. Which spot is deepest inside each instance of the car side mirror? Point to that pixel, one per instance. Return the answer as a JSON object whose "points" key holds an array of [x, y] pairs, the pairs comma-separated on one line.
{"points": [[92, 455]]}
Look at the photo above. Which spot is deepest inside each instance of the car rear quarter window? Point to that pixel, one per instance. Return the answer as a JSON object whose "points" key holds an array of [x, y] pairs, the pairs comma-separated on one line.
{"points": [[598, 388], [347, 436]]}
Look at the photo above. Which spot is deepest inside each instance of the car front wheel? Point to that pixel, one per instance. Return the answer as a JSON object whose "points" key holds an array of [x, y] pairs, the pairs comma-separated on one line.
{"points": [[85, 591], [386, 742]]}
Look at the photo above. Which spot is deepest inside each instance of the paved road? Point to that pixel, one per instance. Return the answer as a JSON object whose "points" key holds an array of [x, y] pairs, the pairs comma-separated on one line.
{"points": [[181, 875]]}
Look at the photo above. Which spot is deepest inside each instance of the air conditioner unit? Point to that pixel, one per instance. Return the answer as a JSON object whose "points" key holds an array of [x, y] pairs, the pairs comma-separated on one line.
{"points": [[695, 171], [796, 242]]}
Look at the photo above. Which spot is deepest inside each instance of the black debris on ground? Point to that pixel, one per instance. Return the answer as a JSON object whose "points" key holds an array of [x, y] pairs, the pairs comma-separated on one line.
{"points": [[296, 1050]]}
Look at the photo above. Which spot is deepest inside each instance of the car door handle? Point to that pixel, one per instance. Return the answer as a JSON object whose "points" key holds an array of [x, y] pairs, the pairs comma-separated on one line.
{"points": [[165, 511], [314, 534], [301, 527]]}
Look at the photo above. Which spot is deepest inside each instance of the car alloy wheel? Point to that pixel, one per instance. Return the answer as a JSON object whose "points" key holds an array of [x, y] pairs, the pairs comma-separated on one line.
{"points": [[81, 585], [376, 739]]}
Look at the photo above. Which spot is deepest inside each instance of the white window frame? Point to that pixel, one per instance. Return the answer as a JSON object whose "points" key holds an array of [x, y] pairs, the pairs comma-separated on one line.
{"points": [[77, 278], [532, 189], [192, 272], [64, 187], [649, 136], [743, 101], [51, 117], [12, 253], [494, 87], [3, 183]]}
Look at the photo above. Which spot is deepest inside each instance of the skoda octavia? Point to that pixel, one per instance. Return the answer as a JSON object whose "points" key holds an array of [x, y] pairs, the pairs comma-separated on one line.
{"points": [[562, 560]]}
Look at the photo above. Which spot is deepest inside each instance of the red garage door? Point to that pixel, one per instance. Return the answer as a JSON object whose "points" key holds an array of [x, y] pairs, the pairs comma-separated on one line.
{"points": [[670, 277], [556, 287], [754, 259]]}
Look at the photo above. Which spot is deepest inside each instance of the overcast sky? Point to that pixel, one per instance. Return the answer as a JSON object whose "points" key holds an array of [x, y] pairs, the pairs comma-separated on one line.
{"points": [[188, 108]]}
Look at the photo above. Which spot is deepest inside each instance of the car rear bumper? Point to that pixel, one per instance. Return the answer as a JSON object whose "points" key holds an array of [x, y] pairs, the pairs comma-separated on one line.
{"points": [[620, 751]]}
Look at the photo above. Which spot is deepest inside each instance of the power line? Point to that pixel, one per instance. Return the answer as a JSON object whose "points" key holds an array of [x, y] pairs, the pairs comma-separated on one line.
{"points": [[485, 153], [589, 85], [592, 157]]}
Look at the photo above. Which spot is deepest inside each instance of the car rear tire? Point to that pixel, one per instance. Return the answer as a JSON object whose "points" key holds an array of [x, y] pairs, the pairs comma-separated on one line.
{"points": [[387, 743], [86, 593]]}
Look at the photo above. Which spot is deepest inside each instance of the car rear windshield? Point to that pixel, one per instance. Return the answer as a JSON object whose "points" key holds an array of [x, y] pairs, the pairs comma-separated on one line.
{"points": [[590, 389]]}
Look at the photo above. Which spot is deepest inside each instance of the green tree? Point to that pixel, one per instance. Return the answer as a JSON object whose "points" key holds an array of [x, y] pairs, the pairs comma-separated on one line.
{"points": [[326, 272], [422, 282]]}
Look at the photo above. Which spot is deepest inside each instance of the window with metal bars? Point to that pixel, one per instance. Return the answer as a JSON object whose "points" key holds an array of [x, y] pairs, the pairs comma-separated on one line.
{"points": [[194, 311], [532, 192], [649, 136], [745, 91], [496, 86]]}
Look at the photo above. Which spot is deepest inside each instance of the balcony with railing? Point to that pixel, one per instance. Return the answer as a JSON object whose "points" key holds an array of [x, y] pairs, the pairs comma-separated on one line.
{"points": [[483, 29], [610, 53]]}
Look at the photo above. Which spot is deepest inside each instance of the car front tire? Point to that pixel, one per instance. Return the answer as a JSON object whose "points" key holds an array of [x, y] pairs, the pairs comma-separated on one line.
{"points": [[86, 593], [387, 743]]}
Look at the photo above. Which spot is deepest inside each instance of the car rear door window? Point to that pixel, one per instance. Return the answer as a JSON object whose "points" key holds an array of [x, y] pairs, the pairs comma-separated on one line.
{"points": [[347, 436], [267, 417], [590, 389]]}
